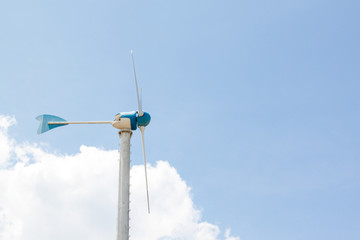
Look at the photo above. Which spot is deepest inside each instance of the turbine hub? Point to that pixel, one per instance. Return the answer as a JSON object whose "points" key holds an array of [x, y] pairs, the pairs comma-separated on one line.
{"points": [[143, 120]]}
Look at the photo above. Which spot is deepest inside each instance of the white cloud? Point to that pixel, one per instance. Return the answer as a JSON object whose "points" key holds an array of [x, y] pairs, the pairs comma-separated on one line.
{"points": [[47, 196], [228, 237], [5, 142]]}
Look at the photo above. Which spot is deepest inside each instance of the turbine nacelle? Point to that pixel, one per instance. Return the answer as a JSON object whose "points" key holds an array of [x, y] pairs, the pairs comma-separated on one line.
{"points": [[131, 120]]}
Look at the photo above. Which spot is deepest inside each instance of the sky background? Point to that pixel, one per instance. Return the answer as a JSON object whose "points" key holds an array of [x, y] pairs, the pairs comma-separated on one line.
{"points": [[254, 103]]}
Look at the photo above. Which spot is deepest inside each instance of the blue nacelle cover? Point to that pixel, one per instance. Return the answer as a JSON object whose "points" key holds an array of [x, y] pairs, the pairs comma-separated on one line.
{"points": [[132, 117], [135, 120]]}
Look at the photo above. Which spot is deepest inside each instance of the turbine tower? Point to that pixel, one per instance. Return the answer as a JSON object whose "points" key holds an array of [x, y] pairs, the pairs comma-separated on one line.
{"points": [[126, 122]]}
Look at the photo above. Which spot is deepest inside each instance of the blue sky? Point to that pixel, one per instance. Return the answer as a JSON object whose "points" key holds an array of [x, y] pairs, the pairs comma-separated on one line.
{"points": [[255, 103]]}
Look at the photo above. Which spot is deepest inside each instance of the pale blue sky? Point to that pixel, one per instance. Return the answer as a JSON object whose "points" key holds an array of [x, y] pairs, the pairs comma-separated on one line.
{"points": [[255, 103]]}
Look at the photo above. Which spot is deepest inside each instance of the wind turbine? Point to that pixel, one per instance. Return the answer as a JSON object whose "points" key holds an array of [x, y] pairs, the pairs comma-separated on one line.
{"points": [[126, 122]]}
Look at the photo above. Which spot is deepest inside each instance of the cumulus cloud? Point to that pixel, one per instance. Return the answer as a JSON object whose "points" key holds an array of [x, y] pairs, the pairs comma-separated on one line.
{"points": [[5, 143], [49, 196]]}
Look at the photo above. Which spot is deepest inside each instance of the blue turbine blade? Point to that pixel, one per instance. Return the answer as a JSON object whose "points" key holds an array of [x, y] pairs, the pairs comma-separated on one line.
{"points": [[44, 119]]}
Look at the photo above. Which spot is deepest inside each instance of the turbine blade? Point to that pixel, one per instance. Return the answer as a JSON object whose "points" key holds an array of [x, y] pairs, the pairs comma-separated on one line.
{"points": [[142, 128], [137, 89], [141, 98]]}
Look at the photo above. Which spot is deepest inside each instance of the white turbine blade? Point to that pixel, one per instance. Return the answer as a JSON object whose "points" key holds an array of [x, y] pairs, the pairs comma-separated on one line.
{"points": [[142, 128], [137, 89], [141, 98]]}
